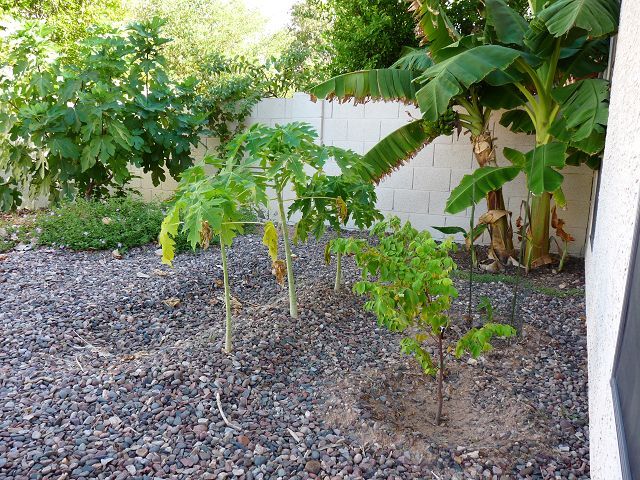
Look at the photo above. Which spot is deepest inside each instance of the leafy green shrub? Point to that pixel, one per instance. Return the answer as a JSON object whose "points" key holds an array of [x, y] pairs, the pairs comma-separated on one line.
{"points": [[120, 223], [78, 129], [407, 279]]}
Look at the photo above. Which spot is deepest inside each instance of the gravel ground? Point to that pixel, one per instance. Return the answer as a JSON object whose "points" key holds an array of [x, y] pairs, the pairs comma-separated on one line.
{"points": [[110, 369]]}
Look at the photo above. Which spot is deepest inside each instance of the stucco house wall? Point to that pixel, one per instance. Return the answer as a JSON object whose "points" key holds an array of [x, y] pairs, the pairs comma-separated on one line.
{"points": [[608, 255]]}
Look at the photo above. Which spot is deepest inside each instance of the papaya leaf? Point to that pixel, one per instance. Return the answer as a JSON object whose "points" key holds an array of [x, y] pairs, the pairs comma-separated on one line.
{"points": [[270, 239], [168, 231]]}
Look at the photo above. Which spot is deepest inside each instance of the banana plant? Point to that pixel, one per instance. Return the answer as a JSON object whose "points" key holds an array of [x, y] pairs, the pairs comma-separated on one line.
{"points": [[333, 201], [207, 206], [403, 82], [551, 61]]}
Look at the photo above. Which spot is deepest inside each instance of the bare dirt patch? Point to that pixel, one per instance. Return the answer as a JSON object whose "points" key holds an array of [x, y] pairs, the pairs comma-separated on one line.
{"points": [[394, 406]]}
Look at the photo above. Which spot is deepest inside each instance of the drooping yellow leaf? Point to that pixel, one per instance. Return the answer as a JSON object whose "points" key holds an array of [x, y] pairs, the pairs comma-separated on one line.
{"points": [[327, 253], [342, 209], [279, 270], [168, 231], [205, 235], [270, 239]]}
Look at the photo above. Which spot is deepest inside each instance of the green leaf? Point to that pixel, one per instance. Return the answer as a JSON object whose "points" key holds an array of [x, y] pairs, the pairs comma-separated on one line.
{"points": [[450, 230], [509, 26], [596, 17], [396, 148], [389, 84], [415, 59], [270, 239], [559, 198], [64, 147], [517, 158], [585, 106], [541, 175], [474, 187], [517, 121], [434, 26], [455, 75]]}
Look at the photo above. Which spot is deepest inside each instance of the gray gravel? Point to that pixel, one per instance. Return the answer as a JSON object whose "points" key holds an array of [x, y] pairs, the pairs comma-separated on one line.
{"points": [[100, 377]]}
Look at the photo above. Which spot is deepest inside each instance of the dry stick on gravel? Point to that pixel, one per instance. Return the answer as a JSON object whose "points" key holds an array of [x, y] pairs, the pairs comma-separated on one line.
{"points": [[294, 435], [224, 417]]}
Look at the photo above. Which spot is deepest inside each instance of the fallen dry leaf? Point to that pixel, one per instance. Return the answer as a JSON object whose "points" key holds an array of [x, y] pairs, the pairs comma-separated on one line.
{"points": [[116, 254], [106, 220], [172, 302], [161, 273]]}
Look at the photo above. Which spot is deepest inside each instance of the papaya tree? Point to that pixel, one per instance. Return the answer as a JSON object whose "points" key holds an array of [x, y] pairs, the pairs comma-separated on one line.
{"points": [[406, 277], [334, 201], [280, 157], [210, 206], [552, 60]]}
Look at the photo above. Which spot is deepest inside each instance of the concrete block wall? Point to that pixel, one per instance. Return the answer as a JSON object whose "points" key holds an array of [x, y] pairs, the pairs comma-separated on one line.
{"points": [[418, 191]]}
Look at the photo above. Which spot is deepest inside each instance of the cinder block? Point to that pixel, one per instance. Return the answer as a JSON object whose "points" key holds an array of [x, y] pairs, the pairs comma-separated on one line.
{"points": [[432, 179], [381, 109], [452, 156], [269, 108], [456, 176], [438, 202], [424, 158], [409, 112], [443, 139], [402, 178], [334, 130], [359, 130], [424, 221], [347, 110], [332, 168], [403, 216], [413, 201], [388, 126], [303, 107], [385, 198]]}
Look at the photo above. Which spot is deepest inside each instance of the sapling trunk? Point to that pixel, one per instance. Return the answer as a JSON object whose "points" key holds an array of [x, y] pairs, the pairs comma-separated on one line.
{"points": [[227, 299], [338, 283], [523, 235], [293, 299], [471, 235], [440, 377]]}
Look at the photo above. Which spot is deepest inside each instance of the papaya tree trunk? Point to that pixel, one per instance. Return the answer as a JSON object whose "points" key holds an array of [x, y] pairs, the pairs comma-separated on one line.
{"points": [[293, 298], [227, 300], [500, 231], [338, 283], [537, 248]]}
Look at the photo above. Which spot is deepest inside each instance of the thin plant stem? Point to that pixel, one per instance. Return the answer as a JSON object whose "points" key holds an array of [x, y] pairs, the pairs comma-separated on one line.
{"points": [[227, 299], [440, 377], [516, 286], [473, 256], [293, 299]]}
